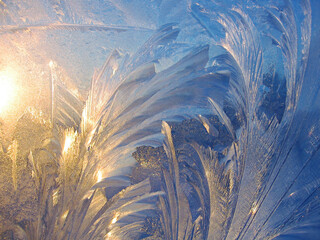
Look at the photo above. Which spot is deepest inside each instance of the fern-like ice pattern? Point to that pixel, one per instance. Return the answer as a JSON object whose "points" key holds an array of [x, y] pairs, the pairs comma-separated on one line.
{"points": [[247, 71]]}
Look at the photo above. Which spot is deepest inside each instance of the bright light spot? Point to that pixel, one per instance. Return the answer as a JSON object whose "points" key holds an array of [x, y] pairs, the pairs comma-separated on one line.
{"points": [[291, 194], [99, 175], [65, 214], [69, 139], [115, 219], [7, 89], [55, 197], [114, 70], [108, 236], [254, 209], [51, 63], [67, 143], [205, 124], [91, 134]]}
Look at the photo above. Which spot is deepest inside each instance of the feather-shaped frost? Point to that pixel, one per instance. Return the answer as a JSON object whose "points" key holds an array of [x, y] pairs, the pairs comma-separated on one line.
{"points": [[73, 172]]}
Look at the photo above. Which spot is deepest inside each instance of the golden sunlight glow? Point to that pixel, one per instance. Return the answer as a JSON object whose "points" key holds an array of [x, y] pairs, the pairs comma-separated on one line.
{"points": [[65, 214], [115, 219], [99, 175], [7, 89], [254, 209], [108, 236], [69, 139]]}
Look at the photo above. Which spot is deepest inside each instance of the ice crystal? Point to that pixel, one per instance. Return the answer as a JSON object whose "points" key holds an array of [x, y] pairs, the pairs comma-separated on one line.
{"points": [[160, 120]]}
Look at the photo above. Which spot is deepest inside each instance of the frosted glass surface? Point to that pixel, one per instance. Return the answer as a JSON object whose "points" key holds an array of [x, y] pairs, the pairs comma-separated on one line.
{"points": [[158, 119]]}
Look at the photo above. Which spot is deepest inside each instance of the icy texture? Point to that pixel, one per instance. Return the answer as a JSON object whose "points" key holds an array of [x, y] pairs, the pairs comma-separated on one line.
{"points": [[267, 184], [66, 162]]}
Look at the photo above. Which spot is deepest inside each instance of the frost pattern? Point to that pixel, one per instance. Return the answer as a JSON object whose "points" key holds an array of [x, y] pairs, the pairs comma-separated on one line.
{"points": [[66, 174]]}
